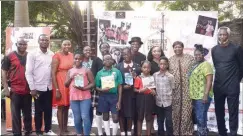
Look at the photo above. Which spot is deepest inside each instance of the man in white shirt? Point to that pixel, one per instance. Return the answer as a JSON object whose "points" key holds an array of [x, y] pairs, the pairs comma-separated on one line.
{"points": [[38, 75]]}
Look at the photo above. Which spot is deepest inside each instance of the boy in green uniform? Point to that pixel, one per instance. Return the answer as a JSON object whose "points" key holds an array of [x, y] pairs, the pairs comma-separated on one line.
{"points": [[108, 81]]}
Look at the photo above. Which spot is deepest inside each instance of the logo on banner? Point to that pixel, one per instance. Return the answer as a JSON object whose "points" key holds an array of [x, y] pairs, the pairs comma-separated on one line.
{"points": [[121, 15]]}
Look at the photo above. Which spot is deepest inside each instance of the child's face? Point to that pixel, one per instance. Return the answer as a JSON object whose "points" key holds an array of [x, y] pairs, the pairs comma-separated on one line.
{"points": [[78, 60], [107, 60], [163, 64], [146, 68]]}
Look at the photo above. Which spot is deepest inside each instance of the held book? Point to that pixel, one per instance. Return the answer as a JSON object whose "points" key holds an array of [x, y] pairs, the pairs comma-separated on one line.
{"points": [[108, 82]]}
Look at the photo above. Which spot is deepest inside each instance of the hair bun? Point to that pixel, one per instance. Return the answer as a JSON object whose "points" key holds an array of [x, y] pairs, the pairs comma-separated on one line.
{"points": [[198, 46]]}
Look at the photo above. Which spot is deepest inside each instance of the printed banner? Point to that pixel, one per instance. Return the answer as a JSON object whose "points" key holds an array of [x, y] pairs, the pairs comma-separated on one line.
{"points": [[31, 34], [190, 27]]}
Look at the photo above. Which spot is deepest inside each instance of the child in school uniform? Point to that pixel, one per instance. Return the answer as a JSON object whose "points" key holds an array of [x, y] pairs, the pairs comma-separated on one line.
{"points": [[129, 70], [145, 100], [164, 86]]}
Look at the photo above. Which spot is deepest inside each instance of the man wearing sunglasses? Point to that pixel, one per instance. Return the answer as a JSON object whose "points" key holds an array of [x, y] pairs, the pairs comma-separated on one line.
{"points": [[16, 87]]}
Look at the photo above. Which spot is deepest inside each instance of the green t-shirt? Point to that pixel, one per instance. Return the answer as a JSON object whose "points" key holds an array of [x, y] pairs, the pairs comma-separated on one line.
{"points": [[197, 80], [117, 77]]}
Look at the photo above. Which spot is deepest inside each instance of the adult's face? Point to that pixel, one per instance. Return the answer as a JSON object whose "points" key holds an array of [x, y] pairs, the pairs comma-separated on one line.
{"points": [[178, 49], [44, 41], [126, 55], [21, 45], [223, 35], [104, 49], [198, 56], [66, 45], [156, 52], [87, 51], [135, 46], [107, 60]]}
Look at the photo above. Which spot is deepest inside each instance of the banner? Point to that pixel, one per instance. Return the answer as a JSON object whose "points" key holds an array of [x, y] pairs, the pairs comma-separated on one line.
{"points": [[191, 27], [31, 34]]}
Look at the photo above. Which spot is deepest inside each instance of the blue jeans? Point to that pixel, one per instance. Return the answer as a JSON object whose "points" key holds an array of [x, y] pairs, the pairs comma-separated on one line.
{"points": [[81, 109], [201, 112]]}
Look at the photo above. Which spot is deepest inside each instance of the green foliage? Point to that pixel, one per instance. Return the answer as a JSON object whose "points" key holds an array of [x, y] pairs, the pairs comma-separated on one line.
{"points": [[118, 5]]}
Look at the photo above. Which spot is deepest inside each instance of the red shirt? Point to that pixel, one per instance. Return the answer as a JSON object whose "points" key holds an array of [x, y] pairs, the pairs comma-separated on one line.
{"points": [[138, 84], [15, 65]]}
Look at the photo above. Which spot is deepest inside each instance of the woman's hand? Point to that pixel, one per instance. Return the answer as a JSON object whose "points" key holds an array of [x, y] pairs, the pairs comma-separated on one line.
{"points": [[58, 95], [205, 98]]}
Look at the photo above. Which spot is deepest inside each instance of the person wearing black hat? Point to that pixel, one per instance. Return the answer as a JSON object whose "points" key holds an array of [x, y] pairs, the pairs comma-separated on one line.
{"points": [[137, 56]]}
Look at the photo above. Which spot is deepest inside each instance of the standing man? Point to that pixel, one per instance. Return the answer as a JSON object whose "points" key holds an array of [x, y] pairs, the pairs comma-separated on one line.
{"points": [[16, 87], [38, 75], [137, 56], [228, 63]]}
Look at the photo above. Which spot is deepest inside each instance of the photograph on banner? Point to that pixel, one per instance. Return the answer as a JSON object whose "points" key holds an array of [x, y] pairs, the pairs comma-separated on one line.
{"points": [[114, 32], [31, 34], [206, 26]]}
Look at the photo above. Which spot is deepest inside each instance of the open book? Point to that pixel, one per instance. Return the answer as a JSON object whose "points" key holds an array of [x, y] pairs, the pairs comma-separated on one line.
{"points": [[79, 80], [108, 82], [148, 82]]}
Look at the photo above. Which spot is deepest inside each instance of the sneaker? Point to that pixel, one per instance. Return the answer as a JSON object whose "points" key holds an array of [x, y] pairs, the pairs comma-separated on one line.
{"points": [[50, 133]]}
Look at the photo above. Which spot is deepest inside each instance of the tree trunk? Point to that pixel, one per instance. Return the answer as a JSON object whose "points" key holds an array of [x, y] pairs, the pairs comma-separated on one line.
{"points": [[21, 14]]}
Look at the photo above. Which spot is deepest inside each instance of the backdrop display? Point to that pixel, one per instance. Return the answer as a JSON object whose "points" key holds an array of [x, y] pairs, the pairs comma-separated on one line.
{"points": [[190, 27]]}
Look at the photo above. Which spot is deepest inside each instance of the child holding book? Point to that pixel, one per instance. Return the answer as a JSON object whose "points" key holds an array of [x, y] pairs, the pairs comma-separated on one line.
{"points": [[109, 82], [80, 80], [129, 70], [145, 100], [165, 84]]}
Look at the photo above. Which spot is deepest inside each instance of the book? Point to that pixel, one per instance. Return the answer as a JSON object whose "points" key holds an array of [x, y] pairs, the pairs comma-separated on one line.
{"points": [[79, 80], [148, 82], [128, 78], [108, 82]]}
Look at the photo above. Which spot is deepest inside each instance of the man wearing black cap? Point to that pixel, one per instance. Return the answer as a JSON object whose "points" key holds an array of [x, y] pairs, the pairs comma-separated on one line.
{"points": [[137, 56]]}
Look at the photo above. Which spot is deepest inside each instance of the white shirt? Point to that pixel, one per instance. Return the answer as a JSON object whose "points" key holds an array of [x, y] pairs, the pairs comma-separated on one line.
{"points": [[38, 70]]}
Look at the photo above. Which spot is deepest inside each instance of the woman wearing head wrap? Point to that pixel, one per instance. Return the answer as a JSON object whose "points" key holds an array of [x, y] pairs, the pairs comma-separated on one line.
{"points": [[200, 88]]}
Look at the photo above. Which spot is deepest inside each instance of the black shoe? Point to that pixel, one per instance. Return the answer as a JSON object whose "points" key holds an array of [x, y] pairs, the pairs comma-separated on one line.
{"points": [[27, 133], [104, 134]]}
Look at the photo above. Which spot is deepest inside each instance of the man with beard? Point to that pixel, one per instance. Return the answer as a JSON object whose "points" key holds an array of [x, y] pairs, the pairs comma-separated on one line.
{"points": [[38, 75], [13, 70], [228, 63]]}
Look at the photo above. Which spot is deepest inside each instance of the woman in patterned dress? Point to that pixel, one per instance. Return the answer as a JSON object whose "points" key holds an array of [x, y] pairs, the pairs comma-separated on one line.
{"points": [[62, 61], [180, 64]]}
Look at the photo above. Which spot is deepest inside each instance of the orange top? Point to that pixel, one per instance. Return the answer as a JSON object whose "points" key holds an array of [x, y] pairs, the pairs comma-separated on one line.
{"points": [[65, 63]]}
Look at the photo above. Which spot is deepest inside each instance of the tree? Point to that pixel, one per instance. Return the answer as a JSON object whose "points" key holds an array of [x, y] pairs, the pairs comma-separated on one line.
{"points": [[117, 5], [21, 14]]}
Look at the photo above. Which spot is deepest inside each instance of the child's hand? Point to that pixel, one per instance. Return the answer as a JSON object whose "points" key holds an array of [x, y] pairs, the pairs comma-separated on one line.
{"points": [[152, 92], [106, 89], [127, 86], [79, 88]]}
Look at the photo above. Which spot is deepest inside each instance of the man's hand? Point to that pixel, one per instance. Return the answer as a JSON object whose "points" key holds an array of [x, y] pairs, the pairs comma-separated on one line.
{"points": [[34, 94], [118, 106], [7, 92], [58, 95]]}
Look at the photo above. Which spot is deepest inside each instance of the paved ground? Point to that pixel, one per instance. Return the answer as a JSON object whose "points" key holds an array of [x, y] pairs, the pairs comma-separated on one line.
{"points": [[54, 129]]}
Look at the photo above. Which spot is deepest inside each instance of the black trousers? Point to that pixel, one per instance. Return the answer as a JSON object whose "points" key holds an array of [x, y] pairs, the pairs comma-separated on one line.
{"points": [[21, 103], [164, 114], [233, 108], [43, 104]]}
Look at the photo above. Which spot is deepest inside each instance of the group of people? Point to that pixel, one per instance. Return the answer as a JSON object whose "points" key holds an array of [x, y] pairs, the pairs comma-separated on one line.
{"points": [[182, 87]]}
